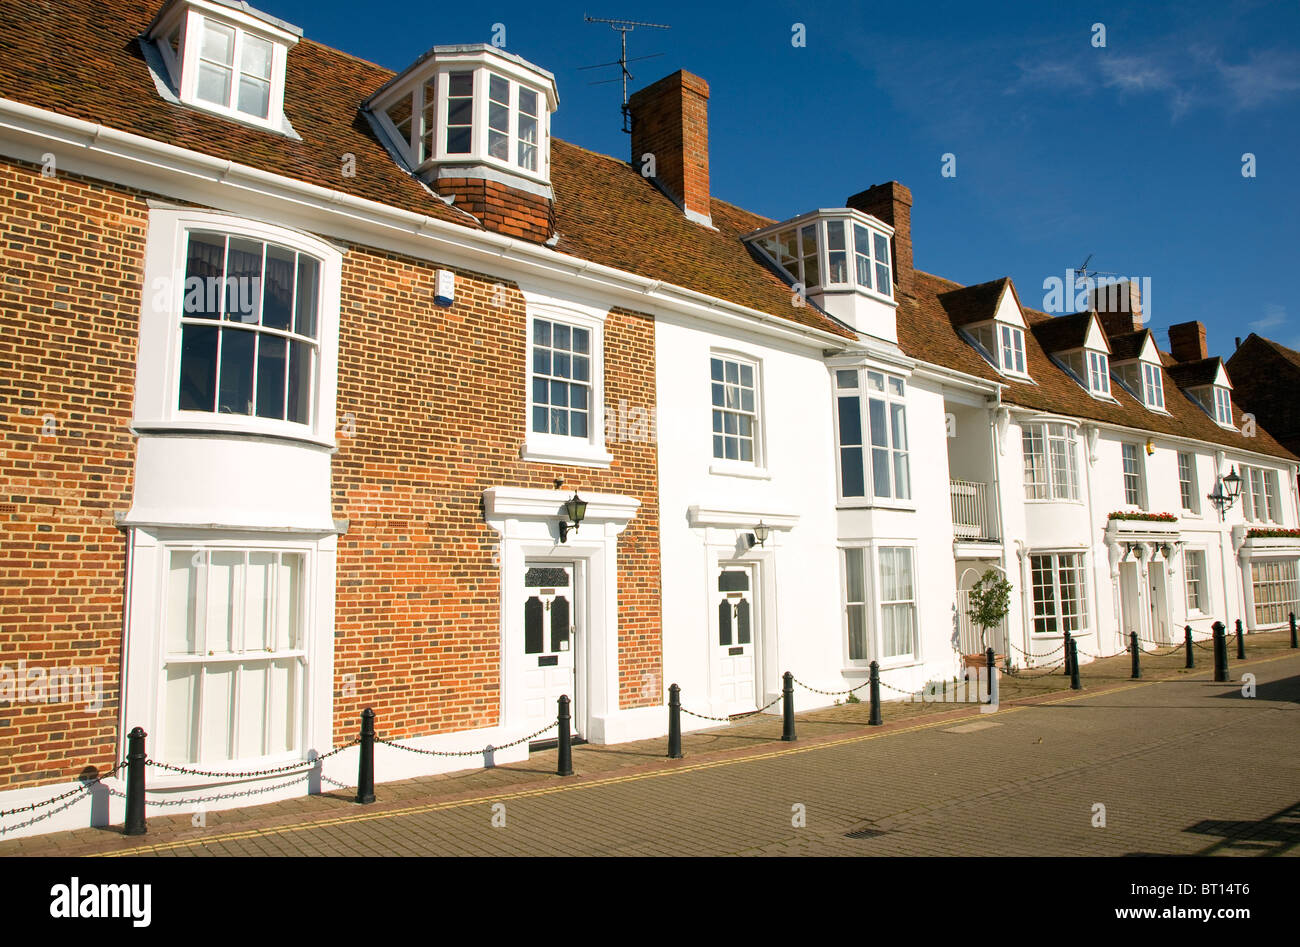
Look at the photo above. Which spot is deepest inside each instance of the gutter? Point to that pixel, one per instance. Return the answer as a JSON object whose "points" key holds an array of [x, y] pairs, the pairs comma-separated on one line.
{"points": [[437, 238]]}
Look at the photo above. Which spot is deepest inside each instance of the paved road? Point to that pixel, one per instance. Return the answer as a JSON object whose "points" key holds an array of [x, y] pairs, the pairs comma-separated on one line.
{"points": [[1180, 766]]}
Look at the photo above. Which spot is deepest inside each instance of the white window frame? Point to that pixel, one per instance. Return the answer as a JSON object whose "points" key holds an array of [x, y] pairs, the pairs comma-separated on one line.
{"points": [[1056, 490], [1058, 616], [875, 603], [1285, 572], [159, 358], [145, 655], [1011, 341], [1099, 373], [723, 465], [771, 244], [191, 20], [1137, 474], [1260, 484], [1204, 600], [1222, 405], [1153, 387], [412, 144], [891, 398], [560, 448], [1188, 488]]}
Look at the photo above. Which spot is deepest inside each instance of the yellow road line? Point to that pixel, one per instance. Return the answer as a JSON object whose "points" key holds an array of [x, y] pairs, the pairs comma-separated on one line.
{"points": [[616, 780]]}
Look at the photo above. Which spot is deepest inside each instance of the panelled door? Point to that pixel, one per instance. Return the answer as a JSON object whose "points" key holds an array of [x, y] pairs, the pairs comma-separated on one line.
{"points": [[549, 641], [736, 631]]}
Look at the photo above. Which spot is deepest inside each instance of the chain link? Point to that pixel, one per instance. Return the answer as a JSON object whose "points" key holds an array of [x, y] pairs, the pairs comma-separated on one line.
{"points": [[71, 792], [299, 765], [734, 717], [505, 746]]}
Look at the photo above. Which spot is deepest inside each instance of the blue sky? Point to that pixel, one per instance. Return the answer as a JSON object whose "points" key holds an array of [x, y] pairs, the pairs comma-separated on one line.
{"points": [[1131, 152]]}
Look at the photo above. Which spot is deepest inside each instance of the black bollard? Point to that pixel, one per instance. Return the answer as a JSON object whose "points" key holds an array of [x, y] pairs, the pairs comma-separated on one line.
{"points": [[135, 757], [1133, 650], [674, 722], [1241, 643], [366, 764], [1074, 666], [787, 706], [564, 756], [1067, 652], [1220, 653], [1187, 643], [874, 720], [1294, 643], [989, 657]]}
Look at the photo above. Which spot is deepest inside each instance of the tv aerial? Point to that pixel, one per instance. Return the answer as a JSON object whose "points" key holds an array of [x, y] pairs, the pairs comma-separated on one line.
{"points": [[623, 27]]}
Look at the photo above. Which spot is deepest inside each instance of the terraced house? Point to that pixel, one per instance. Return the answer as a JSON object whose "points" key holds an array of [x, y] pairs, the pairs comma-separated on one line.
{"points": [[326, 388]]}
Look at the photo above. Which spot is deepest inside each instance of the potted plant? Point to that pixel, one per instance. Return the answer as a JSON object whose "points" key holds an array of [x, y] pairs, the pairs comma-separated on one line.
{"points": [[989, 601]]}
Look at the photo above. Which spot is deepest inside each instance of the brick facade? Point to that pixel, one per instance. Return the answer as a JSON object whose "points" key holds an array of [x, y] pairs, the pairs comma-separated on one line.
{"points": [[670, 120], [432, 412], [502, 209], [72, 252]]}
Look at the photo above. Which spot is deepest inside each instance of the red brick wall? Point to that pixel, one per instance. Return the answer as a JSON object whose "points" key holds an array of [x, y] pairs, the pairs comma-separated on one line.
{"points": [[504, 210], [438, 401], [71, 252], [437, 416], [892, 203]]}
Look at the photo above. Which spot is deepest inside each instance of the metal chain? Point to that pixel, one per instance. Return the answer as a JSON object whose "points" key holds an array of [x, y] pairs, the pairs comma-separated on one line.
{"points": [[1042, 672], [734, 717], [62, 796], [504, 746], [301, 764], [830, 693], [1030, 654]]}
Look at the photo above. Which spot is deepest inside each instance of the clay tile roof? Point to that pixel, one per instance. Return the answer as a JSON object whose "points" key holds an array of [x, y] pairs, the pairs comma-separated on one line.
{"points": [[1063, 332], [1127, 345], [605, 211], [970, 304], [1194, 374]]}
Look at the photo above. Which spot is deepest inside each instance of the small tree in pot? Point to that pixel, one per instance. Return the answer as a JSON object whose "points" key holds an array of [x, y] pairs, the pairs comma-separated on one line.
{"points": [[990, 600]]}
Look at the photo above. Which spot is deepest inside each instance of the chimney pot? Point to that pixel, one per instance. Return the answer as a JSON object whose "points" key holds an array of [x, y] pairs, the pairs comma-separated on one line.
{"points": [[670, 120]]}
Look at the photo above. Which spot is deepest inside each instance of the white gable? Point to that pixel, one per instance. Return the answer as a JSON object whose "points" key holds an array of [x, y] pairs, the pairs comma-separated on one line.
{"points": [[1008, 311], [1096, 338]]}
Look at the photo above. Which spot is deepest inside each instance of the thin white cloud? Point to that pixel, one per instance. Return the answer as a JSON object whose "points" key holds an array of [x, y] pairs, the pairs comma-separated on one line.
{"points": [[1274, 315]]}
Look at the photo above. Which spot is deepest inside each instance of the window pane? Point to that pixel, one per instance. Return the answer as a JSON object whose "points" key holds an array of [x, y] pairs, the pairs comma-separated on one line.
{"points": [[184, 599], [880, 472], [277, 288], [214, 84], [205, 262], [182, 712], [271, 374], [852, 475], [198, 385], [300, 382], [307, 297], [218, 44], [254, 96], [850, 420], [243, 280], [235, 394], [224, 601]]}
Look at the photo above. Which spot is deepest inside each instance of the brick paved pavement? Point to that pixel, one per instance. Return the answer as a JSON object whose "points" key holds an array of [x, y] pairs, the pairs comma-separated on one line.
{"points": [[1182, 766]]}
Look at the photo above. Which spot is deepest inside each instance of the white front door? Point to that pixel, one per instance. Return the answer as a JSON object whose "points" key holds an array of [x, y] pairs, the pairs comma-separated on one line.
{"points": [[737, 630], [1159, 605], [549, 642], [1130, 600]]}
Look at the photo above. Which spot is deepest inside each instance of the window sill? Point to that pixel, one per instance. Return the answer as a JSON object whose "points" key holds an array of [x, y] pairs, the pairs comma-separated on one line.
{"points": [[579, 455], [1047, 500], [747, 471], [204, 428], [859, 503]]}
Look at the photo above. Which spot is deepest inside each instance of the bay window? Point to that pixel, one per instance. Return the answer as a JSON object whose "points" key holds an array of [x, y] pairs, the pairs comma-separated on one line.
{"points": [[876, 443], [1051, 471], [1276, 590], [234, 654], [895, 604], [1060, 596], [832, 251], [249, 328]]}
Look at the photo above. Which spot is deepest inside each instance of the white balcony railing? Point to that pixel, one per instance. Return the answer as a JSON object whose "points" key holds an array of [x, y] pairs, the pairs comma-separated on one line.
{"points": [[971, 517]]}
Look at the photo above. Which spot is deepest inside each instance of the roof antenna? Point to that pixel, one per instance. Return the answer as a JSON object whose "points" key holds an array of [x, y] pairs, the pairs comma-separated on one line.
{"points": [[623, 27]]}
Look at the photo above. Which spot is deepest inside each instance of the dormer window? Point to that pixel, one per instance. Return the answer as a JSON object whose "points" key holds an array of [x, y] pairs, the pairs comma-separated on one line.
{"points": [[475, 105], [832, 250], [1099, 373], [1090, 368], [1003, 345], [1153, 387], [1216, 401], [225, 59]]}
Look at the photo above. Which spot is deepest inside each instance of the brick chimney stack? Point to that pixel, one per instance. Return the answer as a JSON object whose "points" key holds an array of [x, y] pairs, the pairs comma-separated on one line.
{"points": [[892, 203], [670, 120], [1187, 341], [1118, 306]]}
